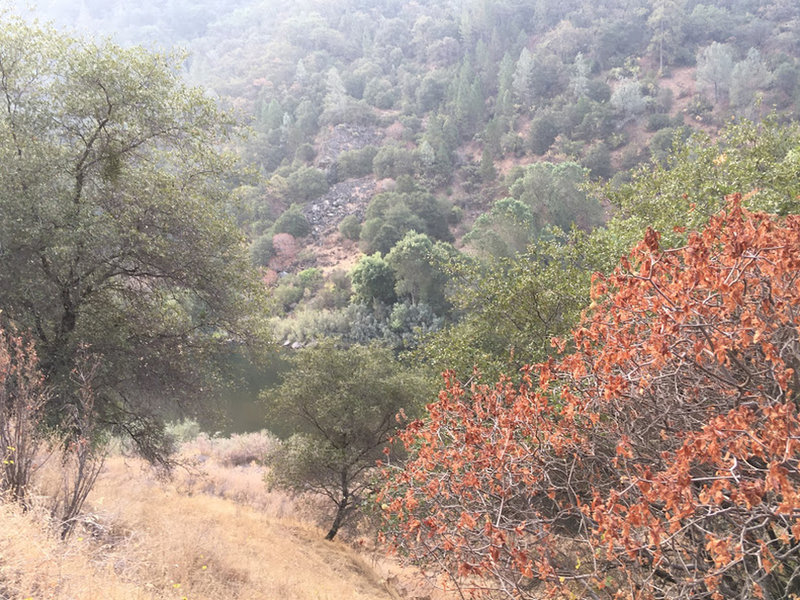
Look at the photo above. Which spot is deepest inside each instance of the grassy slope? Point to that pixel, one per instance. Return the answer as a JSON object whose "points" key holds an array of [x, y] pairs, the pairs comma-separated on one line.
{"points": [[201, 536]]}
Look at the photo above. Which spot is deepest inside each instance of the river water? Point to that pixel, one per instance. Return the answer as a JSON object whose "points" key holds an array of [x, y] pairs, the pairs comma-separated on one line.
{"points": [[240, 409]]}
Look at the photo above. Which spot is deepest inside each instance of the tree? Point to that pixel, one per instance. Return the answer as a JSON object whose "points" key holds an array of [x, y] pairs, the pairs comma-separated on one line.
{"points": [[556, 197], [543, 132], [390, 215], [658, 458], [393, 161], [748, 76], [504, 231], [665, 20], [486, 168], [709, 22], [336, 99], [293, 221], [686, 189], [714, 68], [306, 184], [373, 280], [342, 405], [418, 266], [627, 98], [579, 78], [521, 81], [114, 233], [512, 308]]}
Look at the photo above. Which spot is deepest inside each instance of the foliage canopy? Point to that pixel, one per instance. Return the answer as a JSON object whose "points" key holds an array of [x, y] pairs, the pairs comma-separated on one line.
{"points": [[658, 459], [114, 234], [342, 405]]}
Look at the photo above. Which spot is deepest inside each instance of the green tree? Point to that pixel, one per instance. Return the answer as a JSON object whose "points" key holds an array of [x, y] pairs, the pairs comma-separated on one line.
{"points": [[350, 228], [306, 184], [262, 249], [555, 195], [373, 280], [336, 99], [486, 169], [579, 78], [691, 184], [627, 98], [293, 221], [505, 86], [504, 231], [341, 405], [714, 68], [511, 308], [521, 81], [114, 233], [666, 21], [543, 131], [748, 76], [518, 304], [391, 214], [418, 264], [393, 161], [355, 163]]}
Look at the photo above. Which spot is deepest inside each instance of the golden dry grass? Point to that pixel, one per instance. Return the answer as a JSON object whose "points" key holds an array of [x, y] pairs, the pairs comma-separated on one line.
{"points": [[212, 532], [34, 565]]}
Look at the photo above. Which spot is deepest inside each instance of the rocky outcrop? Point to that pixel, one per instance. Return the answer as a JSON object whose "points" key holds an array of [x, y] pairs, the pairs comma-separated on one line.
{"points": [[344, 198], [344, 137]]}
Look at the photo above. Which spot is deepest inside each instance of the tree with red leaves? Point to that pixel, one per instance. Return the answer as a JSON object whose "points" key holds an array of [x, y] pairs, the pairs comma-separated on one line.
{"points": [[656, 459]]}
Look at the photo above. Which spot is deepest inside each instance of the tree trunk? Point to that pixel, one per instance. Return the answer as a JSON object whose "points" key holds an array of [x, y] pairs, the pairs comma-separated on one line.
{"points": [[338, 520], [342, 506]]}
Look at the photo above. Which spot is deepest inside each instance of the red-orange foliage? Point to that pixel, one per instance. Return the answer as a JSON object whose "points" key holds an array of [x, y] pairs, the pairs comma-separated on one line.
{"points": [[659, 459]]}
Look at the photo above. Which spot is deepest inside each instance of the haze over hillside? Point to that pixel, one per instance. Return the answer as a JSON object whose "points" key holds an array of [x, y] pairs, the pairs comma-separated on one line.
{"points": [[577, 220]]}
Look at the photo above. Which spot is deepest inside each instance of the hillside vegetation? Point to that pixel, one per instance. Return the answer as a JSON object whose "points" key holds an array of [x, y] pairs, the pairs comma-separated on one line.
{"points": [[584, 215], [211, 532], [476, 125]]}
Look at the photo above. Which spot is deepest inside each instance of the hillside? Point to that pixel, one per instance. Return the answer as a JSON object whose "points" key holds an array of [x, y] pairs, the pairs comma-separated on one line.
{"points": [[211, 532], [391, 191]]}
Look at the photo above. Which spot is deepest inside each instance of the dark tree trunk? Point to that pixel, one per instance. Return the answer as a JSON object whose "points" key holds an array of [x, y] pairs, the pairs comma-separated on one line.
{"points": [[338, 520], [341, 508]]}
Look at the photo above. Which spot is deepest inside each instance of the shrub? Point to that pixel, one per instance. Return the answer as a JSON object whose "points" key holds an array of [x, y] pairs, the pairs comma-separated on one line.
{"points": [[672, 433], [355, 163], [310, 279], [373, 280], [350, 228], [183, 431], [598, 160], [287, 294], [293, 222], [22, 399], [658, 121], [393, 161], [244, 448], [305, 153], [306, 183], [543, 132], [391, 215], [262, 249]]}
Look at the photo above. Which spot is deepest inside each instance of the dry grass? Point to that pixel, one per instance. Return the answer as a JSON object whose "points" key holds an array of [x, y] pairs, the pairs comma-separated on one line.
{"points": [[33, 565], [211, 532]]}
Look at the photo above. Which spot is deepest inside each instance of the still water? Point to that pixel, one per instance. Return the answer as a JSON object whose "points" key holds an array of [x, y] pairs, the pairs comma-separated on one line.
{"points": [[240, 409]]}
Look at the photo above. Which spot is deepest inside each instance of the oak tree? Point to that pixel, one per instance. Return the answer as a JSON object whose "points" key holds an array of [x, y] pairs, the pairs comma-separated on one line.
{"points": [[341, 407], [114, 234]]}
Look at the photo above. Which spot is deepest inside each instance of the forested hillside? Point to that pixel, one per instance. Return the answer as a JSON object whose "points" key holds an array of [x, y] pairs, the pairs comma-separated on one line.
{"points": [[369, 120], [590, 207]]}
